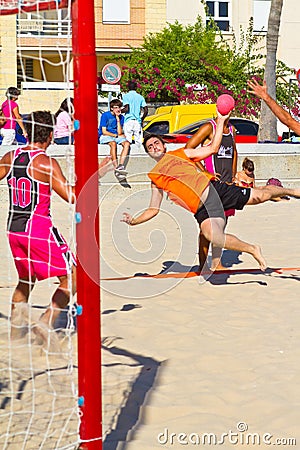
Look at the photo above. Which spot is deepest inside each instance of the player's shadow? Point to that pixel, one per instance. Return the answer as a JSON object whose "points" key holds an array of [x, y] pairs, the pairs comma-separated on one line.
{"points": [[222, 278], [131, 413], [291, 276], [125, 308], [177, 267], [216, 278], [231, 257]]}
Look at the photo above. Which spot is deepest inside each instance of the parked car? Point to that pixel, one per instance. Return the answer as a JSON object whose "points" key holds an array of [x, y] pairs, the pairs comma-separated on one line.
{"points": [[169, 118], [246, 131]]}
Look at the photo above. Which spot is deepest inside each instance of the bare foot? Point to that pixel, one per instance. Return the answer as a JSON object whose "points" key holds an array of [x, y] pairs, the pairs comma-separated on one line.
{"points": [[296, 193], [19, 320], [257, 254], [219, 266], [46, 336]]}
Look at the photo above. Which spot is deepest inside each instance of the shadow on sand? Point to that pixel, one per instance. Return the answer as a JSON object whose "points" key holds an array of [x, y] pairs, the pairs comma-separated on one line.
{"points": [[131, 412]]}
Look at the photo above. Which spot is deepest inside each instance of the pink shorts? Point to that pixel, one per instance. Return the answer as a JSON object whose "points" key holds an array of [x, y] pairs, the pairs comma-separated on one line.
{"points": [[41, 257]]}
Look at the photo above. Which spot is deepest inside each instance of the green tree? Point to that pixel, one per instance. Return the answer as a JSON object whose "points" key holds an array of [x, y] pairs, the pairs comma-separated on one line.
{"points": [[268, 122], [170, 64]]}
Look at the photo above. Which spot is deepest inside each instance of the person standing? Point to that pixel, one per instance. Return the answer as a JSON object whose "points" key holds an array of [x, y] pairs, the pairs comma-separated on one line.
{"points": [[38, 248], [224, 164], [10, 110], [135, 109]]}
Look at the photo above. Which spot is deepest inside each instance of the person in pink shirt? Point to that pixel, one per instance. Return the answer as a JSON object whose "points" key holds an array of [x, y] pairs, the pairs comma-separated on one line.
{"points": [[10, 110], [64, 123]]}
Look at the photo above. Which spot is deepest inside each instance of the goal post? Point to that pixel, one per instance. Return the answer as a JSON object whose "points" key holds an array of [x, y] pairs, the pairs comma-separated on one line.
{"points": [[87, 216], [86, 168]]}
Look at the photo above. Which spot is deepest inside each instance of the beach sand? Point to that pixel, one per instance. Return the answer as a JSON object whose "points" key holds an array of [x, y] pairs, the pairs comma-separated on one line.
{"points": [[181, 360]]}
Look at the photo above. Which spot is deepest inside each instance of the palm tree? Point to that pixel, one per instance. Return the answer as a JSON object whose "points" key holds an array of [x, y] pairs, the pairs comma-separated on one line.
{"points": [[268, 123]]}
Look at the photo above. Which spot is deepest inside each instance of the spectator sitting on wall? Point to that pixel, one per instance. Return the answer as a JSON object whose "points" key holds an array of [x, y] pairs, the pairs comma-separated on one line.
{"points": [[63, 134], [111, 132]]}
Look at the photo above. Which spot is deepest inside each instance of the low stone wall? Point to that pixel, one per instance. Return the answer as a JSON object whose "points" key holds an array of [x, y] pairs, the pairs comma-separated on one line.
{"points": [[271, 160]]}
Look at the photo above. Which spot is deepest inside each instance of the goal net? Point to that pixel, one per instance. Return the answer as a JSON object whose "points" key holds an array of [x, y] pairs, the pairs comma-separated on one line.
{"points": [[50, 386]]}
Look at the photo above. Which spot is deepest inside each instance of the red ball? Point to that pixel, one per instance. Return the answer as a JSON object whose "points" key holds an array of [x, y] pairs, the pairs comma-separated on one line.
{"points": [[225, 104]]}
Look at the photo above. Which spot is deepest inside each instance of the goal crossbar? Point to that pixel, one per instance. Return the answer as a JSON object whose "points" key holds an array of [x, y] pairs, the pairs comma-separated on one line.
{"points": [[8, 7]]}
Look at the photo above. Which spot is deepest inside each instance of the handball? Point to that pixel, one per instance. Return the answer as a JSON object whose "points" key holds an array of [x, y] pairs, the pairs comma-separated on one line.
{"points": [[225, 104]]}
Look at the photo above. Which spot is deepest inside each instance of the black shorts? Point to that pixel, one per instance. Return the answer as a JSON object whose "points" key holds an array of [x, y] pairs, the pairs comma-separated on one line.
{"points": [[222, 196]]}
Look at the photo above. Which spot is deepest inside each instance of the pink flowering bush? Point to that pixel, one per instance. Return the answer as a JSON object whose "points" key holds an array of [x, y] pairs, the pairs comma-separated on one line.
{"points": [[193, 64]]}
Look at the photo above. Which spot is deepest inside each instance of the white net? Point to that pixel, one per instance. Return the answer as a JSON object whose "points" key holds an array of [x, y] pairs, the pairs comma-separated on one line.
{"points": [[38, 371], [38, 394], [39, 391]]}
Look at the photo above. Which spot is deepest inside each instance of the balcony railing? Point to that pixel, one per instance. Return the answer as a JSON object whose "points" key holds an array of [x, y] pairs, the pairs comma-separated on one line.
{"points": [[43, 28]]}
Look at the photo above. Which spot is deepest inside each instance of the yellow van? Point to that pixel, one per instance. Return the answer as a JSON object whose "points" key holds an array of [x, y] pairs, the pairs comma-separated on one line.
{"points": [[168, 119]]}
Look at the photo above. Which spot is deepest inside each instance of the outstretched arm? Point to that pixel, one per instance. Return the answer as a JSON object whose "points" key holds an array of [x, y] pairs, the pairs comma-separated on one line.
{"points": [[19, 120], [105, 166], [60, 184], [203, 134], [150, 212], [145, 113], [200, 153], [284, 117], [235, 158], [5, 164]]}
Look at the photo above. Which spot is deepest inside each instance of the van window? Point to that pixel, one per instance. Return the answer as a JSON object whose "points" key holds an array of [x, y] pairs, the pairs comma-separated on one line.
{"points": [[159, 127]]}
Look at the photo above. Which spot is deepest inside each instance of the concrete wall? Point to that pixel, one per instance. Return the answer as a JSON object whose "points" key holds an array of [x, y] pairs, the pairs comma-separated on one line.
{"points": [[280, 161], [8, 46], [155, 15], [185, 12], [288, 45], [271, 160]]}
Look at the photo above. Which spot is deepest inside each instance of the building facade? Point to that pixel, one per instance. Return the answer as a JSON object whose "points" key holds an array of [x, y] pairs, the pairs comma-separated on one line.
{"points": [[232, 15], [36, 47]]}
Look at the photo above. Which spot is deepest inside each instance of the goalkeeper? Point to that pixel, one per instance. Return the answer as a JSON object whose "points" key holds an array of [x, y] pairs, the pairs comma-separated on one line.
{"points": [[38, 248]]}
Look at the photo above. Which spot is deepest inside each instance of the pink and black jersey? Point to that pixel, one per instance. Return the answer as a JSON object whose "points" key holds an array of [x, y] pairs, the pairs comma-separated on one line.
{"points": [[38, 249], [29, 199], [221, 162], [7, 109]]}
